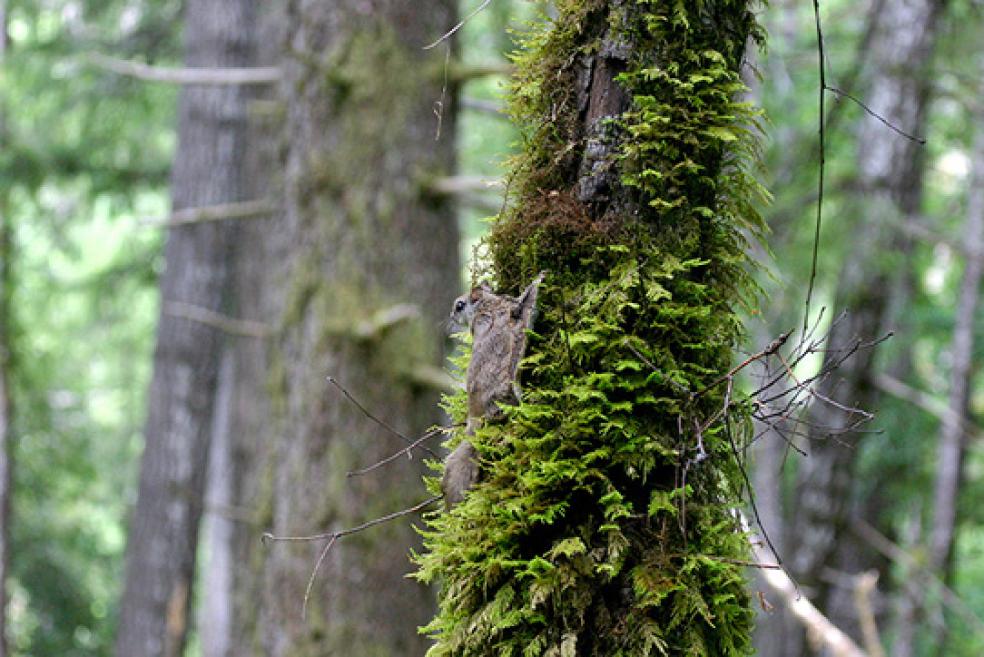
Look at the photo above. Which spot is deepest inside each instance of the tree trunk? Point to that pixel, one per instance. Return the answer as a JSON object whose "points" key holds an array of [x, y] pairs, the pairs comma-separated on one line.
{"points": [[890, 174], [163, 534], [601, 522], [953, 429], [6, 412], [358, 239], [6, 290], [242, 449]]}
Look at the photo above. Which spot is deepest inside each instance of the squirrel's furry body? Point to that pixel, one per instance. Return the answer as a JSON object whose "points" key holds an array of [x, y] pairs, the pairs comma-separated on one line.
{"points": [[498, 325]]}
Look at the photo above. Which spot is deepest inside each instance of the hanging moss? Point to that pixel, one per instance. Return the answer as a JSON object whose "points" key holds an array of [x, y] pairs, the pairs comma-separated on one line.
{"points": [[603, 523]]}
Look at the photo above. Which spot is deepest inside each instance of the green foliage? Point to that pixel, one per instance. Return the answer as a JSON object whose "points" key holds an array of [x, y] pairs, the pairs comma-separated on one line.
{"points": [[84, 154], [599, 526]]}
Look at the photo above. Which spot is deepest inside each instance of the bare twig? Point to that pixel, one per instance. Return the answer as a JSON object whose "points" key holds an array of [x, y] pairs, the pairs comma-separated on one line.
{"points": [[406, 451], [874, 114], [332, 538], [460, 24], [375, 419], [822, 146], [202, 76]]}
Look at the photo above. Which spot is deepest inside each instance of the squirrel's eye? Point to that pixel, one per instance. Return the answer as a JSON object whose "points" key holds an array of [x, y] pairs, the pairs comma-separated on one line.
{"points": [[458, 307]]}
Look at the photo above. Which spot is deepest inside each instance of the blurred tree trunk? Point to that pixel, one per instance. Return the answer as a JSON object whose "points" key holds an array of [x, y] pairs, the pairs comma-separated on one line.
{"points": [[163, 536], [356, 236], [953, 429], [6, 408], [243, 448], [6, 290], [890, 177]]}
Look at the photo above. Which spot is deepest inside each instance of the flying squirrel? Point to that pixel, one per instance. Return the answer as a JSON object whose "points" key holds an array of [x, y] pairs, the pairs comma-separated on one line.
{"points": [[498, 324]]}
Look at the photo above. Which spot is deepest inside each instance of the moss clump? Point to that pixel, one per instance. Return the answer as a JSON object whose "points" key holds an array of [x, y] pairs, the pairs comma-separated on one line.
{"points": [[603, 522]]}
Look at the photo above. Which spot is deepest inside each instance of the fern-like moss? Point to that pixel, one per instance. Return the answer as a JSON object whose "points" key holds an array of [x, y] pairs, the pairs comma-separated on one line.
{"points": [[600, 527]]}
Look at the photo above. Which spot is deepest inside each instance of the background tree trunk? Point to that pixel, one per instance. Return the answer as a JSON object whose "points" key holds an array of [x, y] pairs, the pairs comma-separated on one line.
{"points": [[164, 528], [953, 428], [6, 436], [357, 238], [243, 447], [890, 174]]}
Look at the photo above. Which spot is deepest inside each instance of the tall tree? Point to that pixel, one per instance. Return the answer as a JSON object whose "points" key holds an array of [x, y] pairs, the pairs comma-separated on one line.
{"points": [[361, 268], [6, 289], [163, 535], [953, 428], [602, 522]]}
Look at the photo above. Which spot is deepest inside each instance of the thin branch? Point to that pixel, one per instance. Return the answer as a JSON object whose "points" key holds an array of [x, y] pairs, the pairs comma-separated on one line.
{"points": [[460, 24], [332, 538], [268, 536], [375, 419], [202, 76], [406, 451], [229, 325], [844, 94], [218, 212], [822, 145]]}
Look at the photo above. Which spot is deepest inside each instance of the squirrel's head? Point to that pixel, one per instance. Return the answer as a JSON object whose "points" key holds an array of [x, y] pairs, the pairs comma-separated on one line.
{"points": [[464, 307]]}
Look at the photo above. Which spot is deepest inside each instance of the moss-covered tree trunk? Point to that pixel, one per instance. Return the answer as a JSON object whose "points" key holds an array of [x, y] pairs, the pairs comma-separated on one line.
{"points": [[365, 267], [603, 522]]}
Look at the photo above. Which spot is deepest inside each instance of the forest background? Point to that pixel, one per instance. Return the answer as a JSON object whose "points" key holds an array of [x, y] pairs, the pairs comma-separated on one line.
{"points": [[87, 143]]}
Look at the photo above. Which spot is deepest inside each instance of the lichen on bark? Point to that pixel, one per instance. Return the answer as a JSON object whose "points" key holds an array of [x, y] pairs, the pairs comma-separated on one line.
{"points": [[604, 524]]}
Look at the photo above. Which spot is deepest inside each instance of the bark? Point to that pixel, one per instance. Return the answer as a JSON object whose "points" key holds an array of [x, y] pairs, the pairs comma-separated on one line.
{"points": [[237, 509], [356, 237], [953, 429], [890, 175], [163, 533]]}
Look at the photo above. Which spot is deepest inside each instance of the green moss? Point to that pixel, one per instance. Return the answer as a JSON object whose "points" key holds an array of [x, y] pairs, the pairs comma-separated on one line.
{"points": [[597, 529]]}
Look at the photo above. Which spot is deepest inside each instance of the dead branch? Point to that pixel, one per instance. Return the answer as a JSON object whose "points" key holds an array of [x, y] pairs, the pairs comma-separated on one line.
{"points": [[489, 107], [228, 325], [218, 212], [817, 625], [864, 585], [199, 76], [899, 555], [461, 73], [926, 402], [457, 185]]}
